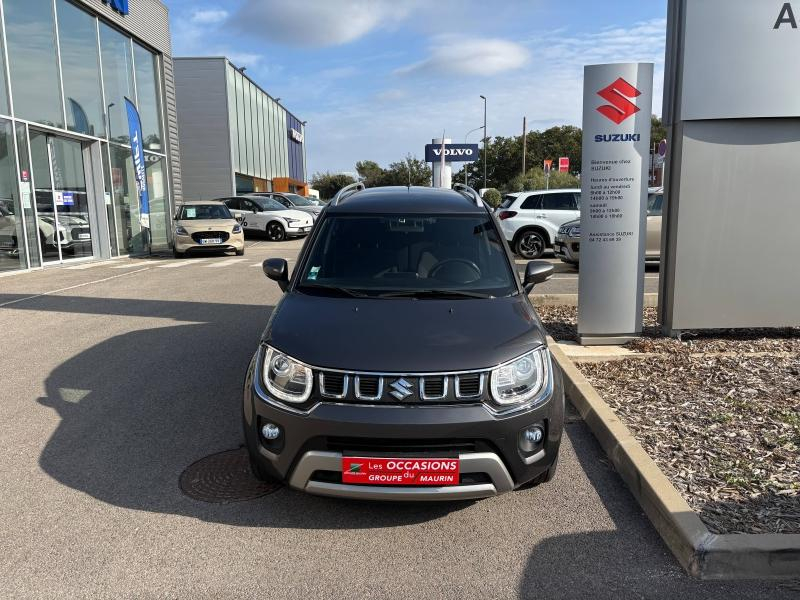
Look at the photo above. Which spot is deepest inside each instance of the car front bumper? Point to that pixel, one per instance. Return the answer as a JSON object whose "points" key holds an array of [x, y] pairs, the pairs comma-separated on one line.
{"points": [[308, 453], [567, 249], [186, 243], [298, 231]]}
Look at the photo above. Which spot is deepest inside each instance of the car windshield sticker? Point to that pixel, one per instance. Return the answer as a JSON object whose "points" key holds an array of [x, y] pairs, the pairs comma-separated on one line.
{"points": [[313, 273], [191, 213]]}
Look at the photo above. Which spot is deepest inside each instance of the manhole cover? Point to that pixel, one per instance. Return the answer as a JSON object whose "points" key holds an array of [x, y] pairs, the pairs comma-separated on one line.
{"points": [[224, 477]]}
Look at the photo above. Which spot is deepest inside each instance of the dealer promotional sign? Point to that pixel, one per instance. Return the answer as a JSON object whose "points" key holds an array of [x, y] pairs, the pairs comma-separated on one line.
{"points": [[137, 152], [617, 105]]}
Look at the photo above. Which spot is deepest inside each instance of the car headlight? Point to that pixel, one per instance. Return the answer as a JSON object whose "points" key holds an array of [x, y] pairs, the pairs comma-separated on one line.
{"points": [[521, 380], [286, 378], [181, 230], [237, 229], [574, 232], [292, 221]]}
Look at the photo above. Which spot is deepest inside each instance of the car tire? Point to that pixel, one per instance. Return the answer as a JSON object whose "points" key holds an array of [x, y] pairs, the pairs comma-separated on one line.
{"points": [[543, 478], [275, 232], [176, 254], [240, 252], [531, 245]]}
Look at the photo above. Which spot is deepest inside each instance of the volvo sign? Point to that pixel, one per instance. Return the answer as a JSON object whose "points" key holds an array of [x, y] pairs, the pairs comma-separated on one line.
{"points": [[617, 104], [452, 153]]}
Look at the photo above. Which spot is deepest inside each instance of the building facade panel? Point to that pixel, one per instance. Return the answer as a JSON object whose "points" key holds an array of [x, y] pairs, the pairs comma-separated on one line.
{"points": [[206, 158]]}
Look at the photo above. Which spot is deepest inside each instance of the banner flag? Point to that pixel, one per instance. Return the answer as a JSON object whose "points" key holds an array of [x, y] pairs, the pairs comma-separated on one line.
{"points": [[137, 153]]}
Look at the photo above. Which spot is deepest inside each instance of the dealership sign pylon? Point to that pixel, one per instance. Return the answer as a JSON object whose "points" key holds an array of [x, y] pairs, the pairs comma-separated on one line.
{"points": [[617, 105]]}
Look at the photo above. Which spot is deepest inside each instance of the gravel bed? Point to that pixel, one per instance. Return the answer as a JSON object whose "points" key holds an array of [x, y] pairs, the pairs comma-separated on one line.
{"points": [[561, 323], [725, 430]]}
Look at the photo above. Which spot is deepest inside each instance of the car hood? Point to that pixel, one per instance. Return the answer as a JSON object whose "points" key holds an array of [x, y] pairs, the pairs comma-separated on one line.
{"points": [[193, 225], [403, 335]]}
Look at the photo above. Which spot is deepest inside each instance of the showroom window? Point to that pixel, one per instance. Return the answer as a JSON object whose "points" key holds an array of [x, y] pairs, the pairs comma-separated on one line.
{"points": [[156, 169], [115, 49], [12, 235], [30, 33], [148, 97], [80, 67]]}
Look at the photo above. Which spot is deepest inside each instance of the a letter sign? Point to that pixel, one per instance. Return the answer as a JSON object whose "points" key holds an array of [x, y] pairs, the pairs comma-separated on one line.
{"points": [[121, 6], [617, 104], [452, 153]]}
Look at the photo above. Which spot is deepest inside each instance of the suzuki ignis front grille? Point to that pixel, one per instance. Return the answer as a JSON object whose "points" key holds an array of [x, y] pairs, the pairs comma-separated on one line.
{"points": [[401, 388]]}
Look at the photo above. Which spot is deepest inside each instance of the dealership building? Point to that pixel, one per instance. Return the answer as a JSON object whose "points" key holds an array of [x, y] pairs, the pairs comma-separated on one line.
{"points": [[68, 188], [235, 138]]}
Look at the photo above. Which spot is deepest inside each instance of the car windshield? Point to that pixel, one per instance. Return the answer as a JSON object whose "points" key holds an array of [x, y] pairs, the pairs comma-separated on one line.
{"points": [[405, 255], [300, 200], [200, 212], [268, 203]]}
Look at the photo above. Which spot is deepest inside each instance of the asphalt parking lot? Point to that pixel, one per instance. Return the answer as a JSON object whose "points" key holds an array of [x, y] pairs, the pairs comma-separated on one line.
{"points": [[117, 376]]}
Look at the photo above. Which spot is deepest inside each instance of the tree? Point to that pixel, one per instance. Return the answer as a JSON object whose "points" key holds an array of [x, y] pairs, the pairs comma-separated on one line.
{"points": [[328, 184], [492, 197], [535, 180], [369, 171], [657, 130], [409, 171]]}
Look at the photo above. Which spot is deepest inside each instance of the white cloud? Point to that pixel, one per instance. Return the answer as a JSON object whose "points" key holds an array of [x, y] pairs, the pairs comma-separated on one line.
{"points": [[470, 56], [319, 22], [384, 126], [210, 16]]}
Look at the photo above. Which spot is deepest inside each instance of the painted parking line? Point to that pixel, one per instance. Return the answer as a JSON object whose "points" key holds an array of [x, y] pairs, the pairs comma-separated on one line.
{"points": [[182, 263], [90, 265], [225, 263], [127, 266]]}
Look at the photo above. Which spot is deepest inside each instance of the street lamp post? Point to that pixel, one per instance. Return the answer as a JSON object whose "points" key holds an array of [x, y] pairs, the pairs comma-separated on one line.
{"points": [[305, 156], [466, 170], [485, 154]]}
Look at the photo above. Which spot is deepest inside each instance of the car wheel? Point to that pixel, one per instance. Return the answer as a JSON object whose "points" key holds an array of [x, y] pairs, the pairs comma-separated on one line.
{"points": [[531, 244], [177, 254], [240, 252], [275, 232]]}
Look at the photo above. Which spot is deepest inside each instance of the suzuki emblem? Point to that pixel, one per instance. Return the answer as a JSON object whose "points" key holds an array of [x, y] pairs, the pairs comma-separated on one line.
{"points": [[619, 107], [401, 389]]}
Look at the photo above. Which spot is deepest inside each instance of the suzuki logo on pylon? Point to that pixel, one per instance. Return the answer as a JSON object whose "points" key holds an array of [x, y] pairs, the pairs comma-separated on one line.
{"points": [[619, 107]]}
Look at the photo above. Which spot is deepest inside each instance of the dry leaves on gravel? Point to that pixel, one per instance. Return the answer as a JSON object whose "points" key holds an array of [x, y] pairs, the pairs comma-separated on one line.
{"points": [[725, 430]]}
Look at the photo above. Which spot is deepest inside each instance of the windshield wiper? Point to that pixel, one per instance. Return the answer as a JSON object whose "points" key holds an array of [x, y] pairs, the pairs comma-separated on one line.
{"points": [[434, 294], [333, 288]]}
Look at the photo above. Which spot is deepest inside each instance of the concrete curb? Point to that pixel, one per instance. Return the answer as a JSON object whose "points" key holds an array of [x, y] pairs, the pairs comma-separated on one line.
{"points": [[650, 300], [702, 553]]}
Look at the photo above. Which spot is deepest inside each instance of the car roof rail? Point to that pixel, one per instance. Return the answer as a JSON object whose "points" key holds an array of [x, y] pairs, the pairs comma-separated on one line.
{"points": [[346, 191], [470, 194]]}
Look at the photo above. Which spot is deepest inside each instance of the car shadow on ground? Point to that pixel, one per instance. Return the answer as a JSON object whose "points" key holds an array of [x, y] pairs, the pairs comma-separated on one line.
{"points": [[138, 408]]}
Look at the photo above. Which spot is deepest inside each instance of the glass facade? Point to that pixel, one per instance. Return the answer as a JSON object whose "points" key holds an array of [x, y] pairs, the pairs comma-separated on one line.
{"points": [[260, 136], [63, 118]]}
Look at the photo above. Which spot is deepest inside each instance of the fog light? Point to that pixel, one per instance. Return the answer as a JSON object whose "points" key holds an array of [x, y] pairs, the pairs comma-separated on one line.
{"points": [[270, 431], [531, 438], [534, 435]]}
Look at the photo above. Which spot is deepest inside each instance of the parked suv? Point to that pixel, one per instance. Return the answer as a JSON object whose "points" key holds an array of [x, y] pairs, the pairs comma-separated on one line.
{"points": [[293, 201], [269, 217], [531, 220], [568, 241], [405, 360]]}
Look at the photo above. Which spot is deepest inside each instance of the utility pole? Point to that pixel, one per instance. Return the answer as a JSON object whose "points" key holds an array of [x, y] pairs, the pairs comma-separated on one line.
{"points": [[524, 142], [485, 141]]}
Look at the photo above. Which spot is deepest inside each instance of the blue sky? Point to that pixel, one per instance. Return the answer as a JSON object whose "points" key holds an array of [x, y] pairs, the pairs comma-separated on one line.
{"points": [[377, 79]]}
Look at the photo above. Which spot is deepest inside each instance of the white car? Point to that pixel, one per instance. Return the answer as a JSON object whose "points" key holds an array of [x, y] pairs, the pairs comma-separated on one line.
{"points": [[530, 220], [270, 217]]}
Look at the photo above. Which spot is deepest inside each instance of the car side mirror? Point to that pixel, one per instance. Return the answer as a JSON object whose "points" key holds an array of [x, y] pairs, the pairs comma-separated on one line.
{"points": [[277, 269], [537, 271]]}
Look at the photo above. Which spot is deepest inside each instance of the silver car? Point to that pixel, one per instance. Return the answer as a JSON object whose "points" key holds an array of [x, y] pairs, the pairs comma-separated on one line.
{"points": [[567, 244], [294, 202]]}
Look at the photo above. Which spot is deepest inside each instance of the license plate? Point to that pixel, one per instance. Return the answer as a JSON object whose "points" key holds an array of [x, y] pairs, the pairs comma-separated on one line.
{"points": [[400, 471], [84, 236], [305, 229], [211, 241]]}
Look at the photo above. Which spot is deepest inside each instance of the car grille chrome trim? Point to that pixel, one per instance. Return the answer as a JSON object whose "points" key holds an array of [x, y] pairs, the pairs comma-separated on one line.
{"points": [[326, 394], [423, 391], [368, 398], [479, 394]]}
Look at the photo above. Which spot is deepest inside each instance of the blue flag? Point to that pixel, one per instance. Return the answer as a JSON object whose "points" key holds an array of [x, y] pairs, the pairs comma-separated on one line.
{"points": [[137, 152]]}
